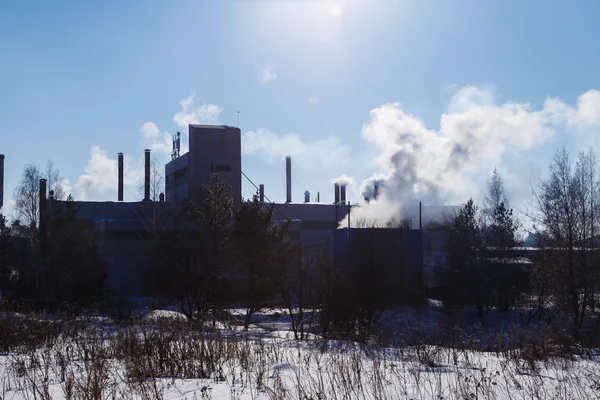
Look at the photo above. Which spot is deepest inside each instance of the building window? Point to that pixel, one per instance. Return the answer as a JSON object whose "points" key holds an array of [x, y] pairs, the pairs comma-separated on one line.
{"points": [[220, 168]]}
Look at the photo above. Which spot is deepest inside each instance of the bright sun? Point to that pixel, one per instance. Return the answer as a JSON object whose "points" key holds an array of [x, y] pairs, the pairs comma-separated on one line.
{"points": [[336, 10]]}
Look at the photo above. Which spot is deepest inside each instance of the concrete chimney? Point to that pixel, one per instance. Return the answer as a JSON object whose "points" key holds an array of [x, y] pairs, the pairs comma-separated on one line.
{"points": [[288, 179], [147, 175], [261, 193], [376, 191], [336, 193], [1, 180], [161, 197], [307, 197], [120, 185], [343, 194]]}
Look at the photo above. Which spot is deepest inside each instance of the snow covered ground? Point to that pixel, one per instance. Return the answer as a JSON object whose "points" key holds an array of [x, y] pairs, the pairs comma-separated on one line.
{"points": [[166, 359]]}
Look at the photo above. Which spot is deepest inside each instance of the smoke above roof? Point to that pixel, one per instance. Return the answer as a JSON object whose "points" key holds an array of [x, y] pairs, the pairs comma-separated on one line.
{"points": [[449, 165]]}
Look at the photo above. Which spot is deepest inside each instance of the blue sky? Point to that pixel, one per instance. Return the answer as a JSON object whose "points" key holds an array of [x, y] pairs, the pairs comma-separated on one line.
{"points": [[334, 83]]}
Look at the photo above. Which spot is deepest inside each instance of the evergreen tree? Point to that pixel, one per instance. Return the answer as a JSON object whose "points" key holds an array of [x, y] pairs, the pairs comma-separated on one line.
{"points": [[260, 245]]}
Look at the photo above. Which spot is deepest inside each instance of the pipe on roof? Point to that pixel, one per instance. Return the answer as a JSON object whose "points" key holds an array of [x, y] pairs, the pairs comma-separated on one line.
{"points": [[288, 179], [147, 175], [1, 180], [120, 177]]}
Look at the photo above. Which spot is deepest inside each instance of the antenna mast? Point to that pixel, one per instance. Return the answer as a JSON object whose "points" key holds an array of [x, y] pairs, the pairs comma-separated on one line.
{"points": [[176, 146]]}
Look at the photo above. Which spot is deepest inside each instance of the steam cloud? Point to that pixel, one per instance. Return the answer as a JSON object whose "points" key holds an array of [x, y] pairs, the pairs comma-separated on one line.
{"points": [[443, 166], [344, 180]]}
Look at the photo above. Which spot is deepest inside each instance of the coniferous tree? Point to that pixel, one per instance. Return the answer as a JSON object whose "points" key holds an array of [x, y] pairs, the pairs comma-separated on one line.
{"points": [[259, 246], [190, 252]]}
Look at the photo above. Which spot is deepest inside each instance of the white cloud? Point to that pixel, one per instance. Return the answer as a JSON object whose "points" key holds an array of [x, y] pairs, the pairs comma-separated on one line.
{"points": [[195, 114], [101, 171], [267, 75], [313, 100], [588, 109], [149, 130], [313, 155]]}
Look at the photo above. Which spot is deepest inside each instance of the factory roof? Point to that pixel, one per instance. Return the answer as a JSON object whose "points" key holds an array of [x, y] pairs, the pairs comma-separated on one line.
{"points": [[211, 126]]}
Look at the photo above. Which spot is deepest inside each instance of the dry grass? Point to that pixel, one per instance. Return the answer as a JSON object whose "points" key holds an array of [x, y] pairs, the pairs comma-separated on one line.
{"points": [[166, 359]]}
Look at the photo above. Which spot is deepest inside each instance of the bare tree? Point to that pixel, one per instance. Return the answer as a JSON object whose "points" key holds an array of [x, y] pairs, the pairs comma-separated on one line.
{"points": [[55, 181], [157, 182], [568, 214], [26, 194]]}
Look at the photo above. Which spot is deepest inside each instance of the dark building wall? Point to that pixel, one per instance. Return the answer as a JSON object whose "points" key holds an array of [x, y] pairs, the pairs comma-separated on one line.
{"points": [[396, 256], [122, 231], [215, 149], [177, 179]]}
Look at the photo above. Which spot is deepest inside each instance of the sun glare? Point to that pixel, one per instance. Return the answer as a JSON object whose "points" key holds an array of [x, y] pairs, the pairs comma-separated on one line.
{"points": [[336, 10]]}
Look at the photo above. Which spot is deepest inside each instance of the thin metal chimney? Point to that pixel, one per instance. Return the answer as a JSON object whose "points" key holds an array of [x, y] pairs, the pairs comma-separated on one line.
{"points": [[261, 193], [288, 179], [420, 217], [307, 197], [336, 193], [343, 194], [120, 184], [42, 221], [376, 191], [147, 175], [318, 197], [1, 181]]}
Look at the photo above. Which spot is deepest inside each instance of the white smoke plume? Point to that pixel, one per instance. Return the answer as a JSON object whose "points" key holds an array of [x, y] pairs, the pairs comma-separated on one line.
{"points": [[344, 180], [367, 187], [445, 166]]}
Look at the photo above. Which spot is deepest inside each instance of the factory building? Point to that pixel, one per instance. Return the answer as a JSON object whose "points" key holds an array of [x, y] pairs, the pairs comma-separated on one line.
{"points": [[123, 227]]}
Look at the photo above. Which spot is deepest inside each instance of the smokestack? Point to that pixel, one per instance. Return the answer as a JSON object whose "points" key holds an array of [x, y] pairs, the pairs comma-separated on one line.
{"points": [[318, 197], [307, 197], [147, 175], [288, 179], [161, 197], [1, 181], [120, 186], [376, 191], [42, 199], [336, 193], [261, 193], [343, 194], [420, 214]]}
